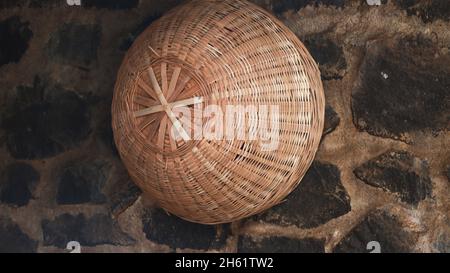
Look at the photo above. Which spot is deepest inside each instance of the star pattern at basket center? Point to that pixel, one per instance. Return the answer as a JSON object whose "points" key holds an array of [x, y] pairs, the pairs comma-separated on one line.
{"points": [[162, 93]]}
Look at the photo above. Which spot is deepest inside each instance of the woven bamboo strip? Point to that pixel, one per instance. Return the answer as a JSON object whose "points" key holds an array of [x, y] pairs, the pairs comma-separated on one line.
{"points": [[217, 53]]}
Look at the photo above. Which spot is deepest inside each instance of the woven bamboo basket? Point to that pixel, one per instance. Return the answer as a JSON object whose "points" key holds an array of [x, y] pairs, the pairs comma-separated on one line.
{"points": [[213, 54]]}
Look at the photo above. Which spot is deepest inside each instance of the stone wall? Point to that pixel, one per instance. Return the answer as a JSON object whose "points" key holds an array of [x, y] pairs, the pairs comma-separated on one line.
{"points": [[381, 174]]}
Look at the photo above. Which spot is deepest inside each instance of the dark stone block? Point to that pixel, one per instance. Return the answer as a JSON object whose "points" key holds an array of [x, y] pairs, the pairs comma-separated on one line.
{"points": [[106, 135], [448, 173], [44, 122], [83, 183], [14, 39], [442, 242], [247, 244], [13, 240], [398, 172], [111, 4], [319, 198], [47, 3], [18, 184], [332, 120], [382, 228], [124, 194], [328, 55], [101, 4], [75, 44], [403, 87], [366, 4], [428, 11], [7, 4], [280, 6], [63, 229], [223, 233], [149, 18], [100, 229], [162, 228], [26, 136], [128, 41]]}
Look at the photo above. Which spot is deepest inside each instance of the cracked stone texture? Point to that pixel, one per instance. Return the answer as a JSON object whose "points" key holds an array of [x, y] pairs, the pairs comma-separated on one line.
{"points": [[18, 183], [319, 198], [403, 88], [248, 244], [381, 227], [398, 172], [385, 70]]}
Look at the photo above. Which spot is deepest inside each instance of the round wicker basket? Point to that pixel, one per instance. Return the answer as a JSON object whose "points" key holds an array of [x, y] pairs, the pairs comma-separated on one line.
{"points": [[218, 111]]}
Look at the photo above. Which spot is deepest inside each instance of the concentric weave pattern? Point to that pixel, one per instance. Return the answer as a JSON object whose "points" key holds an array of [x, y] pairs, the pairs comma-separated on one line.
{"points": [[213, 55]]}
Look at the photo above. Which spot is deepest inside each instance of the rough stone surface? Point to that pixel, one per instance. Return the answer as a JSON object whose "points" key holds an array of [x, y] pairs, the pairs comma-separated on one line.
{"points": [[18, 183], [248, 244], [44, 121], [97, 230], [444, 245], [328, 55], [6, 4], [13, 239], [381, 227], [45, 4], [111, 4], [15, 36], [82, 183], [332, 120], [403, 88], [442, 239], [448, 173], [128, 41], [223, 234], [75, 44], [105, 135], [165, 229], [398, 172], [319, 198], [285, 5], [428, 11], [125, 193], [114, 5]]}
